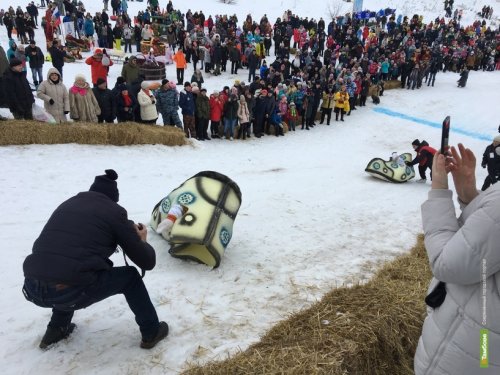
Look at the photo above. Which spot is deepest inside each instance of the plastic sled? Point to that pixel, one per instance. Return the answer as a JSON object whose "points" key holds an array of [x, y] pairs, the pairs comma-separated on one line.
{"points": [[204, 231], [391, 171]]}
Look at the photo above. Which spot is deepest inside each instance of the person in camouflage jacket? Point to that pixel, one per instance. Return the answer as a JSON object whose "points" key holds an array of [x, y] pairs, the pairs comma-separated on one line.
{"points": [[167, 103]]}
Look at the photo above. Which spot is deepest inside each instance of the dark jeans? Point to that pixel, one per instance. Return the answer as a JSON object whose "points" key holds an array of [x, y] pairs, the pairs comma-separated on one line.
{"points": [[328, 113], [128, 43], [180, 76], [118, 280], [234, 67]]}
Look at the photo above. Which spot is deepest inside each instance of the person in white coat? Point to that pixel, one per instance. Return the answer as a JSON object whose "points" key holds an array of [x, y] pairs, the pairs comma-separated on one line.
{"points": [[54, 95], [147, 102], [464, 255]]}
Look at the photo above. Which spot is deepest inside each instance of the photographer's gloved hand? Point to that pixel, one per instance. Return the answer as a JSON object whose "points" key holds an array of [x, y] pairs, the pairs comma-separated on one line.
{"points": [[408, 163], [175, 212]]}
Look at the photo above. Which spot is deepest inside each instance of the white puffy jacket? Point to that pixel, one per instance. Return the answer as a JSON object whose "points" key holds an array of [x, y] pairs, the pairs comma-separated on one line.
{"points": [[148, 106], [461, 252]]}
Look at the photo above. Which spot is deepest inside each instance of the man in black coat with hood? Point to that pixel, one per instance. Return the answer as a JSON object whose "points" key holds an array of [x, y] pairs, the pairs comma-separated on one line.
{"points": [[69, 268], [17, 91]]}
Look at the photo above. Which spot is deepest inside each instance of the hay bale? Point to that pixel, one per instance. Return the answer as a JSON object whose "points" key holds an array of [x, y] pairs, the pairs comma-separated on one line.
{"points": [[393, 84], [365, 329], [13, 132]]}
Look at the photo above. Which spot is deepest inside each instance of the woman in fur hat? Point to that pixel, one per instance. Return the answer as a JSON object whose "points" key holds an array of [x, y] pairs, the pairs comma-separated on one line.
{"points": [[83, 106]]}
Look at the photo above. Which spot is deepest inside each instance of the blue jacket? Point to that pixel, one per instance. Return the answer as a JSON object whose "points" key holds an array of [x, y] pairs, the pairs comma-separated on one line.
{"points": [[186, 102], [88, 27]]}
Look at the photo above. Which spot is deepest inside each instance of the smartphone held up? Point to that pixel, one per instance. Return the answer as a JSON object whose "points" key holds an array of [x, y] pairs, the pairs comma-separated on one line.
{"points": [[445, 136]]}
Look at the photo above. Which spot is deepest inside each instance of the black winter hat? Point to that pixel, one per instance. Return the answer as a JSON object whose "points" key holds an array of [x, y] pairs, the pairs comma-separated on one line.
{"points": [[120, 80], [15, 62], [100, 81], [121, 87], [106, 184], [416, 142]]}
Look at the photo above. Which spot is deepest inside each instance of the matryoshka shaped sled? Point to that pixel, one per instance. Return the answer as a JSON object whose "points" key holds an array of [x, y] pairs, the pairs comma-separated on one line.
{"points": [[393, 170], [203, 232]]}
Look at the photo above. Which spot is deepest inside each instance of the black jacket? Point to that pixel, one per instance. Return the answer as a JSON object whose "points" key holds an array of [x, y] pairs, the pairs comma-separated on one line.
{"points": [[491, 161], [35, 55], [80, 236], [17, 90], [57, 56], [107, 103]]}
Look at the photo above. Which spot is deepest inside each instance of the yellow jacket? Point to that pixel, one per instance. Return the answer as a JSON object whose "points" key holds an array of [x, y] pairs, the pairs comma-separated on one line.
{"points": [[342, 100], [328, 100]]}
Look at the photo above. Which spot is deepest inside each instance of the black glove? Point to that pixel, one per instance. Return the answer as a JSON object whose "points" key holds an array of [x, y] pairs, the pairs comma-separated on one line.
{"points": [[66, 112], [408, 163], [51, 101]]}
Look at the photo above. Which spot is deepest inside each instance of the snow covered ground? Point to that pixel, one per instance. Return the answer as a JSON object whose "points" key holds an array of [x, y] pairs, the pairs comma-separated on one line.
{"points": [[311, 218]]}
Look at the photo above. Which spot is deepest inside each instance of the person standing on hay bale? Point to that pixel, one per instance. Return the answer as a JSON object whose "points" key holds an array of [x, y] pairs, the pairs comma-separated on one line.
{"points": [[69, 268], [464, 258], [17, 91], [54, 95], [106, 101], [82, 102], [147, 102]]}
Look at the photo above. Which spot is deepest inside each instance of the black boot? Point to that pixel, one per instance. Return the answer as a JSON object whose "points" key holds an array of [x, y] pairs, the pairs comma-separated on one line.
{"points": [[53, 335], [160, 335]]}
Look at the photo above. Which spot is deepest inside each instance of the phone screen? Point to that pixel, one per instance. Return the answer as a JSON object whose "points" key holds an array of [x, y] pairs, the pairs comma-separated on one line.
{"points": [[445, 135]]}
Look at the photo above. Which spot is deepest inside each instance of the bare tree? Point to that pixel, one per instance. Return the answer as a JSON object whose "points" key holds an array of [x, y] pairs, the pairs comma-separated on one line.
{"points": [[228, 1], [335, 8]]}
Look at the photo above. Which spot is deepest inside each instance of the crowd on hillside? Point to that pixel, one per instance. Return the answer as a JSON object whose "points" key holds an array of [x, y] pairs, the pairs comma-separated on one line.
{"points": [[296, 66]]}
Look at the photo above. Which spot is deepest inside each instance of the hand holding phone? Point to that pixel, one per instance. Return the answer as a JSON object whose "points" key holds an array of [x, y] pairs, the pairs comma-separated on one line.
{"points": [[445, 136]]}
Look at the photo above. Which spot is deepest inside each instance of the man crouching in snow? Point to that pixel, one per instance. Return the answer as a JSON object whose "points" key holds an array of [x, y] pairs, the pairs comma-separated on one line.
{"points": [[69, 268]]}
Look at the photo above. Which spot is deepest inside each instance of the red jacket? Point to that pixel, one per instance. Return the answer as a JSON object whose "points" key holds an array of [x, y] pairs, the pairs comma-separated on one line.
{"points": [[98, 70], [425, 155], [216, 108]]}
